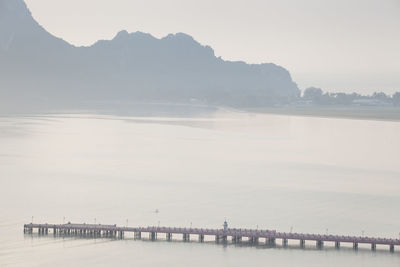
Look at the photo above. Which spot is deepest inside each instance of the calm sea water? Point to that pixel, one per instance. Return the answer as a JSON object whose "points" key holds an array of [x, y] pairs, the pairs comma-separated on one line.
{"points": [[307, 174]]}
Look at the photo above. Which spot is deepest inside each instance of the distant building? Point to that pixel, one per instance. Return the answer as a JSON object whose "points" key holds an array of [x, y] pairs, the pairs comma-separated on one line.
{"points": [[369, 102]]}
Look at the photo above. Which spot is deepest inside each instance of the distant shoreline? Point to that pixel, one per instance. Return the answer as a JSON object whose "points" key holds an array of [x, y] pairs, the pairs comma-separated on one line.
{"points": [[192, 110], [342, 112]]}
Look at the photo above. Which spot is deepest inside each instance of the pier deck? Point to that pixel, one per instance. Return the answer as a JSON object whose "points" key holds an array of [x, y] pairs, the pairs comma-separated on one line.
{"points": [[221, 235]]}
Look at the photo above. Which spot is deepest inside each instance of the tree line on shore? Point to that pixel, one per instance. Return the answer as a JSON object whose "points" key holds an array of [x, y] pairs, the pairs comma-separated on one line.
{"points": [[317, 96]]}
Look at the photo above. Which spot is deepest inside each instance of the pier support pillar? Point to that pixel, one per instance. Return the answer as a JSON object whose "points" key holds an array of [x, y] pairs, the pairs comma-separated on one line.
{"points": [[391, 248], [217, 239], [302, 243], [320, 244], [186, 237], [271, 242], [355, 246], [224, 239], [373, 247], [284, 243], [337, 244], [121, 234], [168, 236], [236, 239], [201, 238], [137, 235], [153, 236]]}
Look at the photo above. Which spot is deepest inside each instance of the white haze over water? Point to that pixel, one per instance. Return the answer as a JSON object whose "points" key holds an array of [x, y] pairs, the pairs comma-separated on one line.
{"points": [[341, 45], [274, 172]]}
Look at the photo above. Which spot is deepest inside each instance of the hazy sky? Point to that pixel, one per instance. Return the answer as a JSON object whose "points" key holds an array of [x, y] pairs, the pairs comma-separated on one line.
{"points": [[339, 45]]}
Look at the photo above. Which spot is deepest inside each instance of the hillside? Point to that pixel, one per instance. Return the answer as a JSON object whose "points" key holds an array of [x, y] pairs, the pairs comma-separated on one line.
{"points": [[40, 70]]}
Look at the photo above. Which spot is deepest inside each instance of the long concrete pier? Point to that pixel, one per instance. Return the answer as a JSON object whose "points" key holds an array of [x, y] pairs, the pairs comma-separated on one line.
{"points": [[234, 235]]}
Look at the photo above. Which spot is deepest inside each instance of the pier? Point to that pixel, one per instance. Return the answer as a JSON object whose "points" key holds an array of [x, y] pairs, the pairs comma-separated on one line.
{"points": [[223, 235]]}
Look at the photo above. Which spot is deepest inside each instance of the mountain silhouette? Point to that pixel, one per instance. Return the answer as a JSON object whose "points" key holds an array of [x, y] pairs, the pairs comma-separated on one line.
{"points": [[38, 69]]}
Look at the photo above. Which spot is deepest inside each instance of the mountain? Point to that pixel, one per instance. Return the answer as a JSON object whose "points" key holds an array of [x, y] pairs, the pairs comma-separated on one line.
{"points": [[38, 69]]}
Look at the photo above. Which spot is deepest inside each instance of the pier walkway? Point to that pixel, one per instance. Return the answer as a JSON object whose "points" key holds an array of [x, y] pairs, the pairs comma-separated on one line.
{"points": [[234, 235]]}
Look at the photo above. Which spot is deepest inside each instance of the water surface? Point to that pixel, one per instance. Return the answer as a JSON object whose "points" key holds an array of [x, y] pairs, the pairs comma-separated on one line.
{"points": [[307, 174]]}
